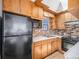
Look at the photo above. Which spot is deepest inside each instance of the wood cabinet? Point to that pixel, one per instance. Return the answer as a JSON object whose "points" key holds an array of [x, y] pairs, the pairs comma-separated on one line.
{"points": [[23, 7], [70, 4], [52, 23], [73, 4], [26, 7], [60, 21], [54, 45], [37, 12], [59, 44], [36, 50], [47, 14], [49, 49], [41, 15], [11, 6], [44, 48]]}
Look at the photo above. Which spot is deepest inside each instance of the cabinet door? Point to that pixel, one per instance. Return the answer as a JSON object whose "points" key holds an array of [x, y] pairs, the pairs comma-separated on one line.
{"points": [[41, 16], [35, 12], [54, 45], [60, 21], [11, 6], [37, 52], [44, 49], [49, 47], [26, 7], [52, 23], [70, 4], [73, 4], [59, 47]]}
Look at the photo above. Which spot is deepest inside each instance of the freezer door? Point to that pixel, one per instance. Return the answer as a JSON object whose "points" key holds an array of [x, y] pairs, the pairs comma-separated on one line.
{"points": [[1, 36], [17, 47], [16, 25]]}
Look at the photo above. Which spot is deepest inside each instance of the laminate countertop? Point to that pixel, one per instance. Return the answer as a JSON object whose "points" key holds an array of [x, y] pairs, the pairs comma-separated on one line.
{"points": [[40, 38]]}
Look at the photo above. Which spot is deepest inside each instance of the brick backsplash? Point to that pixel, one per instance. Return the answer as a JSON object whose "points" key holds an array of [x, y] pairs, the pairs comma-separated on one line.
{"points": [[70, 30], [39, 32]]}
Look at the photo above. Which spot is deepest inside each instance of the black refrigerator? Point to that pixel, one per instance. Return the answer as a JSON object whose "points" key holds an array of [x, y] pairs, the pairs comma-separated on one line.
{"points": [[17, 38]]}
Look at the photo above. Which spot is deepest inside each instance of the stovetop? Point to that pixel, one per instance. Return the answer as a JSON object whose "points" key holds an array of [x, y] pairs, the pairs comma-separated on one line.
{"points": [[70, 40]]}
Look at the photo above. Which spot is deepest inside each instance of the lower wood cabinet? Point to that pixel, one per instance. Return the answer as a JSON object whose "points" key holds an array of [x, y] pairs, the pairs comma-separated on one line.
{"points": [[49, 49], [54, 45], [44, 48], [37, 53], [59, 44]]}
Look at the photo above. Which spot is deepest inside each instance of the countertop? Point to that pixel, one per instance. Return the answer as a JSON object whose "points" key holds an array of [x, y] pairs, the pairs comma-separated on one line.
{"points": [[39, 38]]}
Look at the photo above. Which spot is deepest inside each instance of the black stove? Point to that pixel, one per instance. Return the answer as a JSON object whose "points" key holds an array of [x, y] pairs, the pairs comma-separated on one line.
{"points": [[68, 42]]}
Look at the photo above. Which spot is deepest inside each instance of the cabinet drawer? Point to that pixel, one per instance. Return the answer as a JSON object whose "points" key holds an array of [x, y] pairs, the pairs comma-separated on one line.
{"points": [[44, 42], [37, 43]]}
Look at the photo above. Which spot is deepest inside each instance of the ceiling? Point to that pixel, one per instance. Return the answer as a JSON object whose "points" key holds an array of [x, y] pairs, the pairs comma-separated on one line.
{"points": [[56, 5]]}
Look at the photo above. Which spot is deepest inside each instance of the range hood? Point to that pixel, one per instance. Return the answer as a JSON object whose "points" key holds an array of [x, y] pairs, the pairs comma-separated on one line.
{"points": [[72, 22]]}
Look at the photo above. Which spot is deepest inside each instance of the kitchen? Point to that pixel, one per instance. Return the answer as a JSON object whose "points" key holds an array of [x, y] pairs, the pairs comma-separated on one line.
{"points": [[40, 29]]}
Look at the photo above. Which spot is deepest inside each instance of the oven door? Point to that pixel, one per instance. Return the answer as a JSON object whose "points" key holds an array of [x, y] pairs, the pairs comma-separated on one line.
{"points": [[66, 46]]}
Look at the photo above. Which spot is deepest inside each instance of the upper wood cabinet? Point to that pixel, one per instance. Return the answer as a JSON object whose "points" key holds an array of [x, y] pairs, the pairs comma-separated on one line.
{"points": [[60, 21], [73, 4], [11, 6], [52, 23], [23, 7], [47, 14], [41, 13], [37, 12], [26, 7], [50, 15]]}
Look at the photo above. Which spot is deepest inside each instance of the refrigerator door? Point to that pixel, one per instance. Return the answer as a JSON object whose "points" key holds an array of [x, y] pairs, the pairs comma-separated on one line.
{"points": [[16, 25], [0, 36], [17, 47]]}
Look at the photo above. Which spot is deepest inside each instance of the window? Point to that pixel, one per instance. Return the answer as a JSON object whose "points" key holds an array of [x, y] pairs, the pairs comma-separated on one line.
{"points": [[45, 24]]}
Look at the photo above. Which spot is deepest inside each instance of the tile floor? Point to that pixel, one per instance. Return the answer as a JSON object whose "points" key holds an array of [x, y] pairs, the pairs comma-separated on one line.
{"points": [[56, 55]]}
